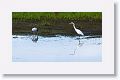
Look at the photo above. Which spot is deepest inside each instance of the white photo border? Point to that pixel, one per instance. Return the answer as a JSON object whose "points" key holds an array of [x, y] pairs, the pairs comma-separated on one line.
{"points": [[104, 67]]}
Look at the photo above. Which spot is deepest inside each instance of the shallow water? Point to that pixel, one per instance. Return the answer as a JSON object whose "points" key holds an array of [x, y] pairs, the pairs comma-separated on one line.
{"points": [[56, 49]]}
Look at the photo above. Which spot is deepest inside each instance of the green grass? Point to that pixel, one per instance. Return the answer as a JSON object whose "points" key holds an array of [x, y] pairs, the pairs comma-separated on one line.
{"points": [[44, 16], [57, 22]]}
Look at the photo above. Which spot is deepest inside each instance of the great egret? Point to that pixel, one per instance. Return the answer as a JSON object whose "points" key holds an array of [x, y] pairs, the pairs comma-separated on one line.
{"points": [[77, 30]]}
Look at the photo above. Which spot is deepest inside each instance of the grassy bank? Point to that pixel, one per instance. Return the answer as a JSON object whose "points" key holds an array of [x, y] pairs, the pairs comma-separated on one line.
{"points": [[57, 22], [56, 15]]}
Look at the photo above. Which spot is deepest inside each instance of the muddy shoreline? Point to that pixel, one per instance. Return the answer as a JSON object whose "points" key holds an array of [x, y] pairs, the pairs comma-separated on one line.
{"points": [[57, 27]]}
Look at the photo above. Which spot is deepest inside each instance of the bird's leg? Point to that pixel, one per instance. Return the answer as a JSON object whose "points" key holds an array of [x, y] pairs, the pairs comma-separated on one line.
{"points": [[79, 40], [37, 33]]}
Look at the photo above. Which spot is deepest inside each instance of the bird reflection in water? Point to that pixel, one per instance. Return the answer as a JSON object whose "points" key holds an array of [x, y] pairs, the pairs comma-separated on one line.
{"points": [[80, 33], [34, 38], [80, 44]]}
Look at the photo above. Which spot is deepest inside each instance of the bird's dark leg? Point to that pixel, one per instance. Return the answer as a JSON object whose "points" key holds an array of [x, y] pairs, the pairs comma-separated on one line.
{"points": [[37, 31], [79, 39]]}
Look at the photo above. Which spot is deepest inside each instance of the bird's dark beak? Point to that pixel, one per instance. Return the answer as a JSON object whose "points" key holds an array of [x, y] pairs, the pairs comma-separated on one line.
{"points": [[70, 23]]}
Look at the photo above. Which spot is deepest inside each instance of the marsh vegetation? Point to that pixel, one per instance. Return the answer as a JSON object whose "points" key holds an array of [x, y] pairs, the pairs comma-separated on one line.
{"points": [[52, 23]]}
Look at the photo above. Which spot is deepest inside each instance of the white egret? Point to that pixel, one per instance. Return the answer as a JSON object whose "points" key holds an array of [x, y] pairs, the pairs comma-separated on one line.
{"points": [[77, 30]]}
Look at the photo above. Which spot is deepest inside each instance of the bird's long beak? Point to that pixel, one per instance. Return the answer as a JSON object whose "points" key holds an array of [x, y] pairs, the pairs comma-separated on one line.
{"points": [[70, 23]]}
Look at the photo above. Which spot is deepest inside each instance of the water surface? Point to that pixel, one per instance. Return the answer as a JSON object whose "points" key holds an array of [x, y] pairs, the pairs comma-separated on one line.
{"points": [[56, 49]]}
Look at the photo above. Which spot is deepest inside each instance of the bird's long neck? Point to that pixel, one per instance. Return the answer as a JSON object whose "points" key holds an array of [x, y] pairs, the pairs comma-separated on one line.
{"points": [[74, 26]]}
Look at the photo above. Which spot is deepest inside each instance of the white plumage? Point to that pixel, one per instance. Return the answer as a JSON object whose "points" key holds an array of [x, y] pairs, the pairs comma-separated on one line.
{"points": [[77, 30], [34, 29]]}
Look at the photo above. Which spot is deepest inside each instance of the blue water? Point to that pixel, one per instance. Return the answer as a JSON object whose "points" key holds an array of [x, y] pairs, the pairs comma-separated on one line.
{"points": [[56, 49]]}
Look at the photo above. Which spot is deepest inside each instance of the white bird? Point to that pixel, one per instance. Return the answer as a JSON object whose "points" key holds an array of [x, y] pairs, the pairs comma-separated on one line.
{"points": [[34, 30], [77, 30], [34, 36]]}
